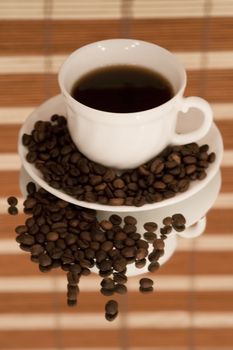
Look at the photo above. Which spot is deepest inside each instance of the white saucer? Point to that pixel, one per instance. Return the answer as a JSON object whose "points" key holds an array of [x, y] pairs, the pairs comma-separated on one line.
{"points": [[56, 105]]}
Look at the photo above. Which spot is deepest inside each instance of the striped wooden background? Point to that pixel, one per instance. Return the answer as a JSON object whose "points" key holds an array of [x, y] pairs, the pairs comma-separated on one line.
{"points": [[192, 308]]}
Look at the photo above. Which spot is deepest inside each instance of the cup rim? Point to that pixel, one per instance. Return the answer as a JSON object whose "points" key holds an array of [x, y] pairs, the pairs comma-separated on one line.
{"points": [[121, 116]]}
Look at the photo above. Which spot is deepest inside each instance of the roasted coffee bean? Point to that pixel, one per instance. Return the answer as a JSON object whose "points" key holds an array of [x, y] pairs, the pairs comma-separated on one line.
{"points": [[100, 255], [45, 260], [72, 278], [106, 225], [211, 157], [45, 268], [141, 253], [166, 230], [21, 229], [135, 236], [179, 228], [178, 219], [120, 236], [149, 236], [116, 201], [12, 201], [142, 244], [110, 317], [106, 292], [105, 265], [52, 236], [130, 220], [154, 255], [12, 211], [71, 303], [119, 278], [120, 288], [167, 221], [119, 264], [26, 239], [108, 283], [115, 219], [153, 266], [129, 242], [146, 283], [30, 203], [150, 226], [140, 263], [37, 250], [128, 252], [129, 228], [146, 290], [159, 244], [107, 246], [118, 183], [111, 307]]}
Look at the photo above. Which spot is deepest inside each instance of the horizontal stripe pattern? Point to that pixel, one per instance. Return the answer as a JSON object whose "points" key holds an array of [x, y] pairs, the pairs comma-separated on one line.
{"points": [[43, 302], [174, 283], [142, 320], [39, 64], [192, 304], [82, 9], [183, 34]]}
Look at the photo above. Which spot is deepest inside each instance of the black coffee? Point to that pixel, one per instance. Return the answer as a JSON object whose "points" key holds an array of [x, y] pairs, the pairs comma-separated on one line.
{"points": [[122, 89]]}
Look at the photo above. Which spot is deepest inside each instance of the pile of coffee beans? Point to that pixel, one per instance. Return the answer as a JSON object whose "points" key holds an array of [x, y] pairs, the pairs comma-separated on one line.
{"points": [[58, 234], [53, 152]]}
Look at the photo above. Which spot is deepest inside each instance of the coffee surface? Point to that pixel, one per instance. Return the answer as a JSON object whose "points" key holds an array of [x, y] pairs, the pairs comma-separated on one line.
{"points": [[122, 89]]}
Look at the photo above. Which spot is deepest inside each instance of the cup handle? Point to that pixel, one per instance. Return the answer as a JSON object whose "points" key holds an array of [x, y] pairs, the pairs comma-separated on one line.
{"points": [[204, 106], [195, 230]]}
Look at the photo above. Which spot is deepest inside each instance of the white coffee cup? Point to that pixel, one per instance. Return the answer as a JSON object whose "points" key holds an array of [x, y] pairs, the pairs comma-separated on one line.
{"points": [[126, 140]]}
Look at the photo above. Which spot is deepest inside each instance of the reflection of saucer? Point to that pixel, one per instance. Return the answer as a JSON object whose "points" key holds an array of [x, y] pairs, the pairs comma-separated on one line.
{"points": [[201, 201], [56, 105]]}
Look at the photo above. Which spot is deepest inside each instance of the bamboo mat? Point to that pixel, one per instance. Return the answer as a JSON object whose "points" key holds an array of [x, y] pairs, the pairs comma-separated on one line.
{"points": [[192, 308]]}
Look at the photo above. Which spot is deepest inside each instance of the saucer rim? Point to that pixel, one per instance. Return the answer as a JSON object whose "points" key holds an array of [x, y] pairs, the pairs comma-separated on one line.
{"points": [[30, 168]]}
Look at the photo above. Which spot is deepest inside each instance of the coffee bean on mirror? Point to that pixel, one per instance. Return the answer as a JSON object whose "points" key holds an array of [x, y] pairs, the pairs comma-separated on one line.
{"points": [[146, 290], [153, 266], [12, 201], [111, 317], [111, 307], [120, 288], [149, 236], [73, 239], [150, 226], [146, 282], [140, 263], [12, 210]]}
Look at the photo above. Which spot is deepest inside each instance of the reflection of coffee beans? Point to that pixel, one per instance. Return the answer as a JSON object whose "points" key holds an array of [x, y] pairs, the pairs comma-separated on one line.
{"points": [[60, 234], [64, 168]]}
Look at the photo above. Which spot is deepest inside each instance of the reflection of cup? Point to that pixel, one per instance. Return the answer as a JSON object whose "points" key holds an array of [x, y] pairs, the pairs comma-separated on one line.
{"points": [[126, 140]]}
